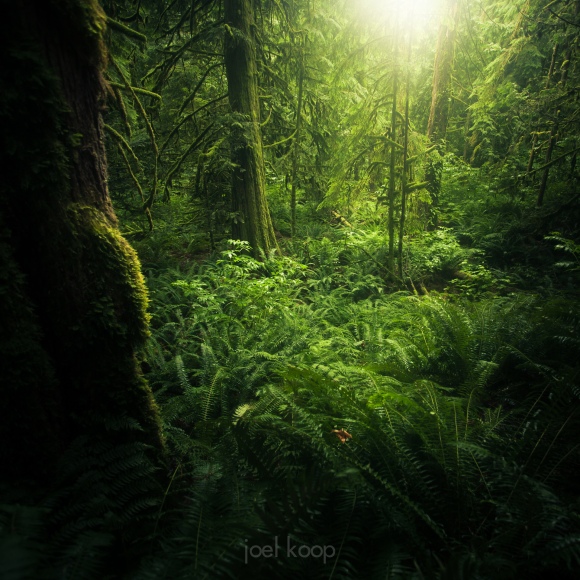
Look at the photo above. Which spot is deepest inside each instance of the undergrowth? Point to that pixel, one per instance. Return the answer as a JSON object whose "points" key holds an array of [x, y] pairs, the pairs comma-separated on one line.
{"points": [[416, 428], [419, 436]]}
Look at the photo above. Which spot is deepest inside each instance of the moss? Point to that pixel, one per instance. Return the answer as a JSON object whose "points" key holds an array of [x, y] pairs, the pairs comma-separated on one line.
{"points": [[103, 326], [73, 310], [116, 294], [109, 324]]}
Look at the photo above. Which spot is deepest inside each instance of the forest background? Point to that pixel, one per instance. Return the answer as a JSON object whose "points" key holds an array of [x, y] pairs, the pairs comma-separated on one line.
{"points": [[352, 315]]}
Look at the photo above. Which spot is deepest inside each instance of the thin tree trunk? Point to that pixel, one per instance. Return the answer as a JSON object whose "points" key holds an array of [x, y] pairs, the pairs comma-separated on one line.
{"points": [[545, 174], [296, 145], [441, 98], [465, 135], [535, 138], [405, 161], [251, 221], [392, 164], [555, 127], [442, 72]]}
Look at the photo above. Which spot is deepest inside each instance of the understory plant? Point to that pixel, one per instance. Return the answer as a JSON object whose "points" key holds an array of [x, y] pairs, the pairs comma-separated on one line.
{"points": [[417, 436]]}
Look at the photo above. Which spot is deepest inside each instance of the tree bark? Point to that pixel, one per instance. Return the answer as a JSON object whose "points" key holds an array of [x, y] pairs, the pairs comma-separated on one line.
{"points": [[73, 300], [392, 164], [555, 126], [404, 179], [252, 220], [296, 143], [441, 97]]}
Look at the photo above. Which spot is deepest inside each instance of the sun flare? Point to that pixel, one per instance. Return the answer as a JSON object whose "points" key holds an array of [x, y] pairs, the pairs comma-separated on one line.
{"points": [[417, 11]]}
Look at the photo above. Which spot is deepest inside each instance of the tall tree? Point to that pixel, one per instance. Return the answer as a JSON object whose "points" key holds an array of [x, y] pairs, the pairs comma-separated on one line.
{"points": [[392, 160], [252, 220], [555, 123], [73, 308], [441, 95]]}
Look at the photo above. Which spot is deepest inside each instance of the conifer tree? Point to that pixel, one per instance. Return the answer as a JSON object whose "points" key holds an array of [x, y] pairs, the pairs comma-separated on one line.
{"points": [[251, 216], [441, 95], [73, 308]]}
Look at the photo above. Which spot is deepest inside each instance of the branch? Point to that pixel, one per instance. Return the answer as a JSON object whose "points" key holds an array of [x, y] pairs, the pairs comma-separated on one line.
{"points": [[386, 140], [198, 86], [189, 116], [180, 161], [546, 165], [563, 19], [280, 142], [150, 130], [426, 152], [415, 186], [137, 185], [120, 139], [137, 90], [114, 25]]}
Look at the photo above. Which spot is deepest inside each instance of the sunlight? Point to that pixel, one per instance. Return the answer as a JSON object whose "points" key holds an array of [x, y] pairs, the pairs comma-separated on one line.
{"points": [[415, 11]]}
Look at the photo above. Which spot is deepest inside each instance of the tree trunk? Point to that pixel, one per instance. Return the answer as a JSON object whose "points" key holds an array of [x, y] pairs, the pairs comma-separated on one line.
{"points": [[441, 97], [555, 126], [252, 220], [392, 166], [73, 300], [547, 86], [404, 180], [551, 144], [296, 143]]}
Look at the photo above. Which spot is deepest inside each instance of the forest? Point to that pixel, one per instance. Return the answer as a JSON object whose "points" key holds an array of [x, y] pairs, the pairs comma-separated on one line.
{"points": [[289, 289]]}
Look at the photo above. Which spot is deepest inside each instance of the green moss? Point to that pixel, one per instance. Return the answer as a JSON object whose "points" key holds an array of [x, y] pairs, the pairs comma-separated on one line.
{"points": [[106, 323], [73, 303], [115, 292]]}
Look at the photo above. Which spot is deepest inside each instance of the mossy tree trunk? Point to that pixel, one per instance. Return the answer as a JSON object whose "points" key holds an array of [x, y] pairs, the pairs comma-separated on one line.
{"points": [[252, 220], [552, 142], [73, 301], [392, 160], [441, 97], [296, 142], [405, 174]]}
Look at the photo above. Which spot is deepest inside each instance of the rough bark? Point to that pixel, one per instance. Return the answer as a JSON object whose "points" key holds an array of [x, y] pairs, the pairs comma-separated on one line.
{"points": [[73, 308], [252, 220]]}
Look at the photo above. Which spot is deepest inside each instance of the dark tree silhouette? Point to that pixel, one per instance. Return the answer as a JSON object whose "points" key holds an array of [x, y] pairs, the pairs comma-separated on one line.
{"points": [[73, 301]]}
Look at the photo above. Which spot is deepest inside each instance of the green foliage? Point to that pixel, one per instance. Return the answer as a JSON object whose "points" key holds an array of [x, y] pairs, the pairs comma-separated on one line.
{"points": [[571, 249], [106, 497], [450, 461], [424, 426]]}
